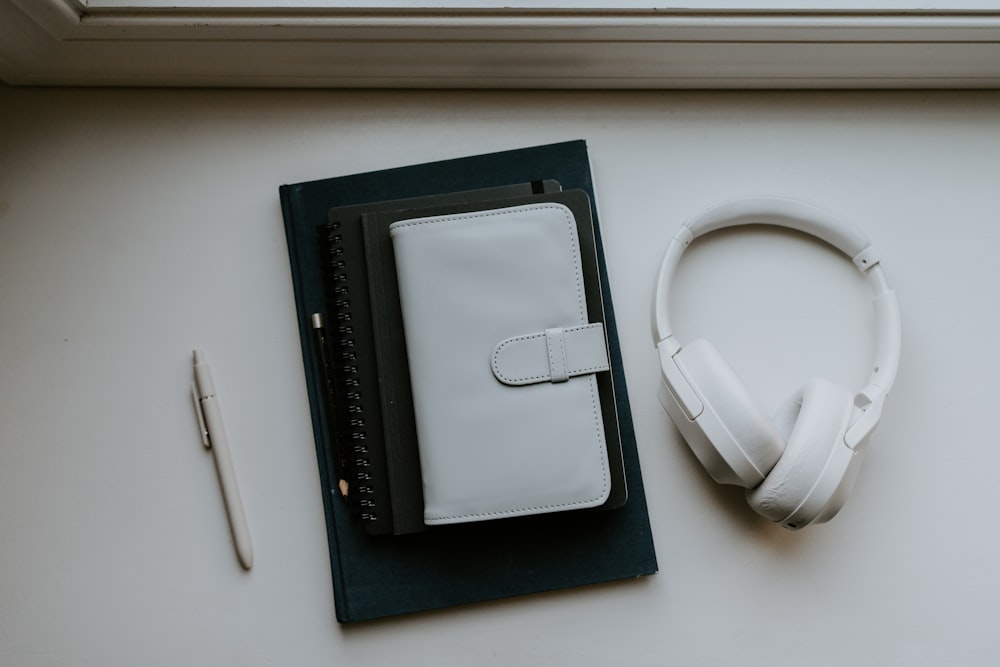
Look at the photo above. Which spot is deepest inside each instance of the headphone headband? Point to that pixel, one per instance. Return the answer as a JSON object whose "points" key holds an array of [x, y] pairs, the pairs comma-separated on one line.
{"points": [[848, 238]]}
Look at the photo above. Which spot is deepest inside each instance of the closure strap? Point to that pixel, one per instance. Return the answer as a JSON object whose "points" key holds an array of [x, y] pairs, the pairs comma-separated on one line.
{"points": [[553, 355]]}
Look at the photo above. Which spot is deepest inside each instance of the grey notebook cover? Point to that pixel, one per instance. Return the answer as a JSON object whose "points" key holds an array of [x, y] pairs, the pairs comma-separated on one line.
{"points": [[482, 294]]}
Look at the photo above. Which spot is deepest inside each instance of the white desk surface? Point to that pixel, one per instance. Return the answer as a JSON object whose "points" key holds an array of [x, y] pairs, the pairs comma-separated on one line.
{"points": [[138, 225]]}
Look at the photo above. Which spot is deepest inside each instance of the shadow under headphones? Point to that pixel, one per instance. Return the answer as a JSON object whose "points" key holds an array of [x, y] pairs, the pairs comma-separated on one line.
{"points": [[799, 468]]}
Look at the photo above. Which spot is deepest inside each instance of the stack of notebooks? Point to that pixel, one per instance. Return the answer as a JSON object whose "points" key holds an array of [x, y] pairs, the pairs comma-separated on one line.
{"points": [[469, 406]]}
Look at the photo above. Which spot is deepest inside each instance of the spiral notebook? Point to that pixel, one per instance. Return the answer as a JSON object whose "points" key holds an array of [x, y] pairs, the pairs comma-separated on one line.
{"points": [[372, 430], [391, 570]]}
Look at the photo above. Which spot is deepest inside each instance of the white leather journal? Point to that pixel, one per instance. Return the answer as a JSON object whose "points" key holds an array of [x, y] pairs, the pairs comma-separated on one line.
{"points": [[502, 360]]}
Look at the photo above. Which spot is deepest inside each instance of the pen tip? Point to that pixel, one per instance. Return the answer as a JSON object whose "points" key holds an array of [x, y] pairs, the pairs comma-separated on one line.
{"points": [[198, 357]]}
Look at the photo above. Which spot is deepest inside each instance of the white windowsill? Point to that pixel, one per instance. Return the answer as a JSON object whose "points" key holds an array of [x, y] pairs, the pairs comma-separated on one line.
{"points": [[464, 44]]}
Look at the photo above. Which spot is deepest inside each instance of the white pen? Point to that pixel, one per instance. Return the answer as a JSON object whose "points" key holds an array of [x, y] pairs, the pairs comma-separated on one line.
{"points": [[213, 436]]}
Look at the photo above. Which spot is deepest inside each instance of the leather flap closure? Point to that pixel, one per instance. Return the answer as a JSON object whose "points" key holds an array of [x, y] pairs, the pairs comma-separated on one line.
{"points": [[553, 355]]}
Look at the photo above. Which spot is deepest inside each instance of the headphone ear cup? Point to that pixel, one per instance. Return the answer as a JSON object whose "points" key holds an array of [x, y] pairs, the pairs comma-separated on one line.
{"points": [[732, 437], [811, 480]]}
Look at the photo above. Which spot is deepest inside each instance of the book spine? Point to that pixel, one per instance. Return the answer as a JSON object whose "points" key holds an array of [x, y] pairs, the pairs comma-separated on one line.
{"points": [[347, 400]]}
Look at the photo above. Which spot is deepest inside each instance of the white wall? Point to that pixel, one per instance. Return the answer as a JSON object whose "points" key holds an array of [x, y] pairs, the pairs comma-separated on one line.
{"points": [[136, 225]]}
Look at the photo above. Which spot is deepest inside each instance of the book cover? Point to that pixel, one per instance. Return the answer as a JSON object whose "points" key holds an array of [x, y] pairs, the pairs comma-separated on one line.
{"points": [[377, 575]]}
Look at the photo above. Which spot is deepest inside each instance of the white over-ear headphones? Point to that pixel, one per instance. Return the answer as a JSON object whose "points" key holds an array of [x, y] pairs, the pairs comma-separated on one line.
{"points": [[800, 468]]}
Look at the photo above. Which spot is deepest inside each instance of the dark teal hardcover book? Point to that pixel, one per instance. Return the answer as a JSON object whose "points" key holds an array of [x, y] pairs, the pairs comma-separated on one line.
{"points": [[379, 575]]}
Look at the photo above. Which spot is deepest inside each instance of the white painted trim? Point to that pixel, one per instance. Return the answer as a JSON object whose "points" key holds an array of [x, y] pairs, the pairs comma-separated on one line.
{"points": [[729, 6], [73, 42]]}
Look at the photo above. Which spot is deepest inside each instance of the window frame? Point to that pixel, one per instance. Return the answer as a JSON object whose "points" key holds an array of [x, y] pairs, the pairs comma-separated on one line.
{"points": [[466, 44]]}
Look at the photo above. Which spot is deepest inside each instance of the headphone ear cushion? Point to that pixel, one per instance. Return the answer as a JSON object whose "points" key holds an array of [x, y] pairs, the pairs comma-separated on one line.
{"points": [[815, 459], [744, 443]]}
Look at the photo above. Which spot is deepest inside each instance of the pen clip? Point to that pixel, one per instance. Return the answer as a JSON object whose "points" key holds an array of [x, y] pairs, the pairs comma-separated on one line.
{"points": [[201, 417]]}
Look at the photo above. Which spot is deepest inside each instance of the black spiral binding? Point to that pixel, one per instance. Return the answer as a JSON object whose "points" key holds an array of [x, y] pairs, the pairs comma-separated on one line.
{"points": [[350, 435]]}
